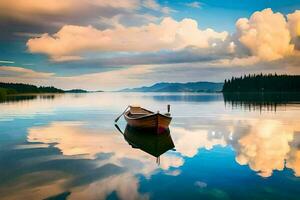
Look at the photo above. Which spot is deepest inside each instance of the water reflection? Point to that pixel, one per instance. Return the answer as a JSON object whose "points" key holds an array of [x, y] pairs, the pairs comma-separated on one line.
{"points": [[188, 97], [268, 145], [16, 98], [260, 101], [264, 145], [63, 149], [148, 141], [77, 139], [94, 163]]}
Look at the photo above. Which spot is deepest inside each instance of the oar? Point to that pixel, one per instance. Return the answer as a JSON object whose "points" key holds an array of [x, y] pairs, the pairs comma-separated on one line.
{"points": [[119, 129], [116, 120]]}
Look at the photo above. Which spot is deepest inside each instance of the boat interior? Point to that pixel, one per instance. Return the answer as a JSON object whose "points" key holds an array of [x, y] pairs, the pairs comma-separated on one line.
{"points": [[138, 112]]}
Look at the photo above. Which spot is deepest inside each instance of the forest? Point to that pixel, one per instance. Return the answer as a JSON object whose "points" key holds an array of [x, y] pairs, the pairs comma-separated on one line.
{"points": [[263, 83], [20, 88]]}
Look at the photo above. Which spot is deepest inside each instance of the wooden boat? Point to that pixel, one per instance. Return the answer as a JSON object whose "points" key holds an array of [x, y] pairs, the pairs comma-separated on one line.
{"points": [[147, 141], [142, 118]]}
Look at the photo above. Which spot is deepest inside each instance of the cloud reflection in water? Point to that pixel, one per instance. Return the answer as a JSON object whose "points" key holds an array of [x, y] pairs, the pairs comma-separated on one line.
{"points": [[263, 144]]}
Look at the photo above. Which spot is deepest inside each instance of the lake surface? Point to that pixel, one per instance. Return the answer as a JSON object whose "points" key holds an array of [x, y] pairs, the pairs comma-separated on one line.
{"points": [[67, 147]]}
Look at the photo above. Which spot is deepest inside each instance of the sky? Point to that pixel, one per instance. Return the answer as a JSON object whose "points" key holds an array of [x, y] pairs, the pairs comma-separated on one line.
{"points": [[110, 45]]}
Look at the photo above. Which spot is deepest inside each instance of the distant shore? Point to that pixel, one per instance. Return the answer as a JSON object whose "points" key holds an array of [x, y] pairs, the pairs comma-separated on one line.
{"points": [[246, 85], [262, 84], [18, 89]]}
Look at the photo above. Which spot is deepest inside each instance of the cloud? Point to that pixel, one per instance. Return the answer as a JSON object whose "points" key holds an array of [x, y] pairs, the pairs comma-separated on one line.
{"points": [[264, 144], [35, 17], [167, 10], [27, 9], [152, 4], [169, 34], [35, 185], [88, 147], [126, 186], [29, 35], [114, 78], [128, 19], [199, 138], [66, 58], [200, 184], [12, 71], [125, 27], [246, 61], [293, 160], [294, 27], [125, 77], [264, 147], [167, 49], [195, 4], [264, 40], [7, 61], [119, 78], [254, 41]]}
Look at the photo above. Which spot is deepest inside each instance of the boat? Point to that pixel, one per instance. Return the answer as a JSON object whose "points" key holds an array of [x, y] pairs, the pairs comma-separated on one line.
{"points": [[147, 141], [139, 117]]}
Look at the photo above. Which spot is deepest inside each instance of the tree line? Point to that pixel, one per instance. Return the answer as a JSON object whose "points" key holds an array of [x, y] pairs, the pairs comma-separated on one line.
{"points": [[21, 88], [263, 83]]}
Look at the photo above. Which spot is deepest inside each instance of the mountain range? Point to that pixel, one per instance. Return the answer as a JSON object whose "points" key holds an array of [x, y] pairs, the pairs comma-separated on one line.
{"points": [[179, 87]]}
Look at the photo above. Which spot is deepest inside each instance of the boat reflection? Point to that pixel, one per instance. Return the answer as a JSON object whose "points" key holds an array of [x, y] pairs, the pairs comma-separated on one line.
{"points": [[148, 141]]}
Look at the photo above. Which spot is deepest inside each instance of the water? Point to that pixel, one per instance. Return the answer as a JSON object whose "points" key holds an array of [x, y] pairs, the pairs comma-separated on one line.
{"points": [[66, 146]]}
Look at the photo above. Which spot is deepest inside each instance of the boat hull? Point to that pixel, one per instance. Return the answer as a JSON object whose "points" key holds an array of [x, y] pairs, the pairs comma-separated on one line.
{"points": [[155, 121]]}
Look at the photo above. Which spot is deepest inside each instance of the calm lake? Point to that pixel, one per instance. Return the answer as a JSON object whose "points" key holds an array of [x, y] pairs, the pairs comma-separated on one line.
{"points": [[67, 147]]}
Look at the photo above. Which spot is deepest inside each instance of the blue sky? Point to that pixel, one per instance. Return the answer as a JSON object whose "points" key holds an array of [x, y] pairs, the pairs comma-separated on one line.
{"points": [[91, 44], [230, 11]]}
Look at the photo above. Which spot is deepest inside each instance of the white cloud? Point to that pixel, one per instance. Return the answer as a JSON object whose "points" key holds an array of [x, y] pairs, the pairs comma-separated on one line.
{"points": [[197, 139], [169, 34], [256, 36], [12, 71], [167, 10], [264, 147], [294, 27], [128, 19], [255, 43], [48, 15], [195, 4], [294, 161], [266, 35], [27, 9], [200, 184], [88, 146], [121, 78], [126, 186], [294, 23], [66, 58], [152, 4], [7, 61], [244, 61]]}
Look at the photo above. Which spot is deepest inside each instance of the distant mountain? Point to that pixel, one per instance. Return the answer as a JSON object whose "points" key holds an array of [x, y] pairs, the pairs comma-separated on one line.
{"points": [[179, 87], [76, 91], [82, 91]]}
